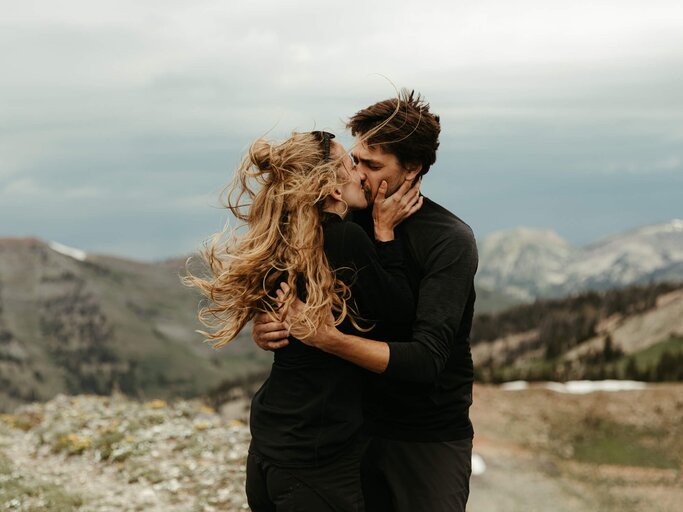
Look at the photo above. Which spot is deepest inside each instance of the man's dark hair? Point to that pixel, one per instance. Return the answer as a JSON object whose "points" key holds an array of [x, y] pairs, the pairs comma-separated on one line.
{"points": [[402, 126]]}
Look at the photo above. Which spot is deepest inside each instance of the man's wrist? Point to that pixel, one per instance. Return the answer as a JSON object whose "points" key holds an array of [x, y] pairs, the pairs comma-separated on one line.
{"points": [[330, 341]]}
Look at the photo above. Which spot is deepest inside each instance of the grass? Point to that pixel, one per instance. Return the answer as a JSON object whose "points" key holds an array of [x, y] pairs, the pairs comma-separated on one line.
{"points": [[542, 369], [19, 491], [605, 442], [649, 357], [5, 465], [106, 442], [24, 421]]}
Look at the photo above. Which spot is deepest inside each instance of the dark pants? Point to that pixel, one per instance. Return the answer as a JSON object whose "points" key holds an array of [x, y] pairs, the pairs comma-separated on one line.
{"points": [[401, 476], [333, 487]]}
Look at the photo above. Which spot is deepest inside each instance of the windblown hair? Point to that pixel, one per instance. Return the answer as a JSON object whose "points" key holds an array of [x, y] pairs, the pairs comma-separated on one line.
{"points": [[278, 192], [402, 126]]}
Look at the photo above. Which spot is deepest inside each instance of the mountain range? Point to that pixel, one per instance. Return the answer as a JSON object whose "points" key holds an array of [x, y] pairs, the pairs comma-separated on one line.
{"points": [[76, 322], [532, 263]]}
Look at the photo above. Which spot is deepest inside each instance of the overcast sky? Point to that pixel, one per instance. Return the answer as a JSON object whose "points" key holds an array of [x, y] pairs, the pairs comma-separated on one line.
{"points": [[121, 121]]}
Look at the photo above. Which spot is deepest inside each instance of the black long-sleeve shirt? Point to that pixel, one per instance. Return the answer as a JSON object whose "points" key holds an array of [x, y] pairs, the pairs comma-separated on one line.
{"points": [[310, 408], [426, 391]]}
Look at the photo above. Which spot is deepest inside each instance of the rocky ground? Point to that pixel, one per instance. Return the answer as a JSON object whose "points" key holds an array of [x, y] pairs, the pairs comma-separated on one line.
{"points": [[110, 454], [544, 451]]}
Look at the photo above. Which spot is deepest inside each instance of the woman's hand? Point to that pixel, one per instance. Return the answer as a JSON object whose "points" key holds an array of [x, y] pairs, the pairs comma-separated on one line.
{"points": [[269, 334], [319, 338], [389, 212]]}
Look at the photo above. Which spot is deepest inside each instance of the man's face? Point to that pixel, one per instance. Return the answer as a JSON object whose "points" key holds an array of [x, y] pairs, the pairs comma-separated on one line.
{"points": [[375, 166]]}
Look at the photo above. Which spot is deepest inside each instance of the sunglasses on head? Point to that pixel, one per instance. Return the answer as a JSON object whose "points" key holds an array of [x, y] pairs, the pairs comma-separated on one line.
{"points": [[324, 139]]}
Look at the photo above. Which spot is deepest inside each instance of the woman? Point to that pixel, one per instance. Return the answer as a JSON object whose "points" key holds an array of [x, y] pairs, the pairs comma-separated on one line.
{"points": [[306, 419]]}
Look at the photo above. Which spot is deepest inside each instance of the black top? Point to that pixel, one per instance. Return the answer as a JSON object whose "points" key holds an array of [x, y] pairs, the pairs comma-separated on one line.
{"points": [[426, 391], [310, 407]]}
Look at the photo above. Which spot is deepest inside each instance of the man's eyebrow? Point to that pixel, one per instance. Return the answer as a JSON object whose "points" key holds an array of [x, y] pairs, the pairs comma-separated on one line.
{"points": [[367, 161]]}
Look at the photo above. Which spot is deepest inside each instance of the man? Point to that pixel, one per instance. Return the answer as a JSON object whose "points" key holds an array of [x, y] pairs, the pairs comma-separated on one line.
{"points": [[418, 404]]}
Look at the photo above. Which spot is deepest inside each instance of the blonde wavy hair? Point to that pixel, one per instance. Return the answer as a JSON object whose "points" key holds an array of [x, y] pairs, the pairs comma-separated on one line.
{"points": [[278, 193]]}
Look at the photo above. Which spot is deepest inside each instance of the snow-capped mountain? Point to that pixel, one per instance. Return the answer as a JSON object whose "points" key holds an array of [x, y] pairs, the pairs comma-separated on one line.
{"points": [[538, 263], [650, 253], [523, 262]]}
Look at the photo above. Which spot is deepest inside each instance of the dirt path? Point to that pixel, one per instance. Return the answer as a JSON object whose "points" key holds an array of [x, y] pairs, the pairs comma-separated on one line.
{"points": [[516, 480], [530, 441]]}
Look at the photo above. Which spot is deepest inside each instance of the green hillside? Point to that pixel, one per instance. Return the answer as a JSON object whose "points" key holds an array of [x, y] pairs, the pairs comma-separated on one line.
{"points": [[102, 324], [629, 333]]}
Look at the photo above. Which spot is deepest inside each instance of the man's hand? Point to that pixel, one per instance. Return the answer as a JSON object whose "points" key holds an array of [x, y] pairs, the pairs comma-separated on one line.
{"points": [[389, 212], [269, 334]]}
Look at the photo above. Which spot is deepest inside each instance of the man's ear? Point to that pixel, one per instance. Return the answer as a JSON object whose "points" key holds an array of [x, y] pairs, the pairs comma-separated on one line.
{"points": [[413, 171]]}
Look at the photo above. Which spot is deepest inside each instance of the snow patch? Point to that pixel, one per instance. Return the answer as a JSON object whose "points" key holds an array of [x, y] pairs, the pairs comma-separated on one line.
{"points": [[516, 385], [677, 225], [578, 387], [76, 254], [582, 387], [674, 226]]}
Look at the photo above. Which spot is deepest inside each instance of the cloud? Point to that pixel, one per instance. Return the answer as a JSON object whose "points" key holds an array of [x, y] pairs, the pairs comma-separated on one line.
{"points": [[670, 164], [148, 105], [25, 187]]}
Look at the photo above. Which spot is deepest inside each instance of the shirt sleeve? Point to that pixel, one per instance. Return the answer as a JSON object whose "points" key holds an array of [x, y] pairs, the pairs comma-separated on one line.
{"points": [[379, 283], [444, 292]]}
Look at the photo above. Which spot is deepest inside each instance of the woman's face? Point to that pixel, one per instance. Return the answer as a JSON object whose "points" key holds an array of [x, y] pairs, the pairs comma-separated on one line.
{"points": [[352, 189]]}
